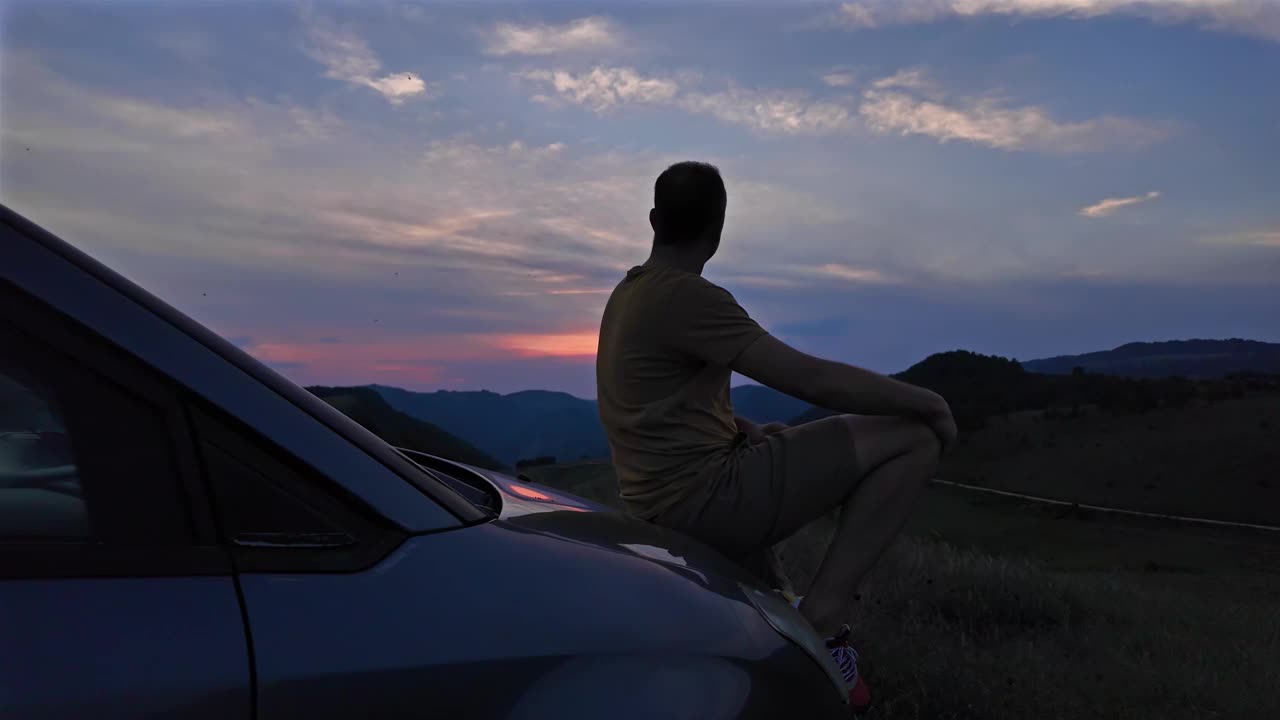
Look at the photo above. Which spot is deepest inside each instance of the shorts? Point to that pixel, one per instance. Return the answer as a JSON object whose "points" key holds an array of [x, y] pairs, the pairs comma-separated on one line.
{"points": [[763, 493]]}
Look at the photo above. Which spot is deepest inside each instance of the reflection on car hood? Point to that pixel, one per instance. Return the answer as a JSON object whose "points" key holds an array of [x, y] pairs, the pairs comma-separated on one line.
{"points": [[546, 511]]}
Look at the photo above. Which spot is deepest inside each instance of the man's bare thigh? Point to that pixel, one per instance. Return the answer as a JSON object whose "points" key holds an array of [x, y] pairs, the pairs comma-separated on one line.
{"points": [[818, 465]]}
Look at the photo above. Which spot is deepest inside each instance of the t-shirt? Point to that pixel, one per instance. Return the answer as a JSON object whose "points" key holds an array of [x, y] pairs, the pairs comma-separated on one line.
{"points": [[667, 340]]}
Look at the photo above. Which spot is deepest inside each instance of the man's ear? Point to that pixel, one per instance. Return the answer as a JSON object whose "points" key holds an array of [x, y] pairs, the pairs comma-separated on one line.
{"points": [[653, 219]]}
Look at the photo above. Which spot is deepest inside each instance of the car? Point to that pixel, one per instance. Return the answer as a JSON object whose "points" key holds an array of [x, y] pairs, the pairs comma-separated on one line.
{"points": [[186, 533]]}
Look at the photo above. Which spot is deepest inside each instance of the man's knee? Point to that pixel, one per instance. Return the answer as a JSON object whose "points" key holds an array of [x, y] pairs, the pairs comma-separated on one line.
{"points": [[875, 440], [923, 439], [855, 429]]}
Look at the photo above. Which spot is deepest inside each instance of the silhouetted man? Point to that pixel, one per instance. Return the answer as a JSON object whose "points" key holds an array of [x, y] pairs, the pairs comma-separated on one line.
{"points": [[669, 340]]}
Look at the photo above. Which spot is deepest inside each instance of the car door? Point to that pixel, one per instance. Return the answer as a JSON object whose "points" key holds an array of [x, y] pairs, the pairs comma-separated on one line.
{"points": [[292, 534], [115, 599]]}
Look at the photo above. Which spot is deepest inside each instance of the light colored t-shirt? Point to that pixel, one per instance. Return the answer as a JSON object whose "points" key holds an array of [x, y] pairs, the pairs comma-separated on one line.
{"points": [[667, 340]]}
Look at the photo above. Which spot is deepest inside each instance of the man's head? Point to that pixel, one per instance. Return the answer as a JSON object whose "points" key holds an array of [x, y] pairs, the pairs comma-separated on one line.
{"points": [[689, 201]]}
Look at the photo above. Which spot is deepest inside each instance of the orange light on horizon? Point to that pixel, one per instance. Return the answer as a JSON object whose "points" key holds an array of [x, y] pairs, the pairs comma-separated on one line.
{"points": [[568, 345]]}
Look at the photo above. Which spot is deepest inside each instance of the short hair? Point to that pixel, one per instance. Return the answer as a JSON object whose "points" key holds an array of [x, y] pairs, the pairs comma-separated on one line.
{"points": [[689, 198]]}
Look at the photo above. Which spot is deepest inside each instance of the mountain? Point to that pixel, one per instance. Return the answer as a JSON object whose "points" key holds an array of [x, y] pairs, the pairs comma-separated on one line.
{"points": [[975, 386], [532, 423], [760, 404], [369, 409], [978, 387], [540, 423], [1185, 358]]}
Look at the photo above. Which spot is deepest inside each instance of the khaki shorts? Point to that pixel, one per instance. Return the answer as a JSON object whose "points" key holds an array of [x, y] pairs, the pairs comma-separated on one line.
{"points": [[764, 493]]}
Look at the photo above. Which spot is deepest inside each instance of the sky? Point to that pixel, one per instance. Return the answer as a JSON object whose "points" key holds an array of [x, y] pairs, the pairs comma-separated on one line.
{"points": [[441, 196]]}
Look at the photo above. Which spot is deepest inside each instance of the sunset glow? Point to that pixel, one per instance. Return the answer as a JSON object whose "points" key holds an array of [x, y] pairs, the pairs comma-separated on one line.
{"points": [[566, 345]]}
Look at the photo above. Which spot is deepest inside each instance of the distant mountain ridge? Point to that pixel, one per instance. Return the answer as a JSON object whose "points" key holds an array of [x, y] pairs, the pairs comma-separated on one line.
{"points": [[378, 417], [543, 423], [978, 387], [531, 423], [974, 385], [540, 423], [1207, 359]]}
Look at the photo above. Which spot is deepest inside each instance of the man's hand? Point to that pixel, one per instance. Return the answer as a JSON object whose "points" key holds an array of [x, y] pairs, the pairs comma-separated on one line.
{"points": [[757, 433], [773, 427], [754, 432]]}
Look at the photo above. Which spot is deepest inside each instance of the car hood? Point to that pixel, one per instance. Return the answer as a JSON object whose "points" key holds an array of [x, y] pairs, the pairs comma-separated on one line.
{"points": [[546, 511]]}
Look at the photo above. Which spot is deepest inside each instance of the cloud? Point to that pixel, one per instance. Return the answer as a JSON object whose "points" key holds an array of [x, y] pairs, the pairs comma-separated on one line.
{"points": [[912, 79], [905, 103], [854, 274], [1260, 18], [1110, 206], [768, 282], [523, 238], [588, 33], [892, 107], [775, 112], [577, 344], [180, 122], [838, 79], [603, 88], [1256, 238], [237, 125], [461, 154], [348, 58]]}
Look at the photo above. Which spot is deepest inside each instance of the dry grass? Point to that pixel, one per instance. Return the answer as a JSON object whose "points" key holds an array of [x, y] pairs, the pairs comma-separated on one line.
{"points": [[951, 633], [1219, 461]]}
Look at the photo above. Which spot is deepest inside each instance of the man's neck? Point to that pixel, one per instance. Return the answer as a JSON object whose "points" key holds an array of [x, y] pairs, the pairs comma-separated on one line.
{"points": [[675, 257]]}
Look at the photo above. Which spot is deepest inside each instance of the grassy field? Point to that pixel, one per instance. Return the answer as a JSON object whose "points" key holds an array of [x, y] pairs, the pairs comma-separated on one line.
{"points": [[1218, 461], [997, 608]]}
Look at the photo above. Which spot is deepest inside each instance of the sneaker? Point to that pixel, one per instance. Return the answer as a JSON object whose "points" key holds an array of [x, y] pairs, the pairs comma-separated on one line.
{"points": [[847, 659]]}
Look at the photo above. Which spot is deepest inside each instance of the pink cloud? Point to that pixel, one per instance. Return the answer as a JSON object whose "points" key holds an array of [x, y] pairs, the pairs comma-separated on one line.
{"points": [[565, 345]]}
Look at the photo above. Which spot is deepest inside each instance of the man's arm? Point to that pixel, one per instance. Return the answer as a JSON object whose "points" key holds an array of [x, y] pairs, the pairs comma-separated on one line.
{"points": [[840, 387]]}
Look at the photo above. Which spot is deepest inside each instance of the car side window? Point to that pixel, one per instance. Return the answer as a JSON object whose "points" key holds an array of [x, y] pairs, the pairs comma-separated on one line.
{"points": [[86, 456], [261, 500], [276, 513], [40, 493]]}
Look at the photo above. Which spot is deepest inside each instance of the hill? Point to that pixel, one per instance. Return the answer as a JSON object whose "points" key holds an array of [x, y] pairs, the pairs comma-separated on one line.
{"points": [[979, 387], [541, 423], [976, 386], [527, 424], [369, 409], [1186, 358], [1215, 459]]}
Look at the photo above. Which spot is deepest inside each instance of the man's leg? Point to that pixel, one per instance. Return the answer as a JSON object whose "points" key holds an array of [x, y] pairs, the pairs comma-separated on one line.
{"points": [[872, 468], [894, 459]]}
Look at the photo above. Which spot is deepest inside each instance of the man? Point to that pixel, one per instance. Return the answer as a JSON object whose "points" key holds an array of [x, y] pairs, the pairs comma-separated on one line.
{"points": [[669, 341]]}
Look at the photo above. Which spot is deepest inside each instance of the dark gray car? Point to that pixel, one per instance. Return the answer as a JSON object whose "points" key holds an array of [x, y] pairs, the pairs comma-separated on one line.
{"points": [[185, 533]]}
